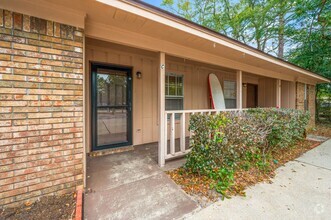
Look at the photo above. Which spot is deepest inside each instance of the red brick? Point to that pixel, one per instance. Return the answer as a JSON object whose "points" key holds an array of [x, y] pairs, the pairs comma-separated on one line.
{"points": [[5, 109], [5, 123], [26, 97], [41, 114], [25, 59], [53, 131], [12, 91], [25, 72], [12, 77], [26, 171], [39, 139], [13, 192], [26, 183], [13, 141], [8, 16], [25, 109], [26, 23], [6, 136], [40, 186], [5, 57], [25, 134], [13, 128], [39, 127], [24, 47]]}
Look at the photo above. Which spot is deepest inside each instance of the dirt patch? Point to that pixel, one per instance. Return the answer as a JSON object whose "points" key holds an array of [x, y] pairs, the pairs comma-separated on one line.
{"points": [[322, 130], [48, 207], [198, 187]]}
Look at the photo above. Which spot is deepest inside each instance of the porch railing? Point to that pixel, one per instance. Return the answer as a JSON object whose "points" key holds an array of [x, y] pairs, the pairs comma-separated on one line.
{"points": [[177, 135]]}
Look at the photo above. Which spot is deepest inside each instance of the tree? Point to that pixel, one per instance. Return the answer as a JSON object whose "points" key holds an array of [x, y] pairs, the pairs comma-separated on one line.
{"points": [[298, 31], [312, 48]]}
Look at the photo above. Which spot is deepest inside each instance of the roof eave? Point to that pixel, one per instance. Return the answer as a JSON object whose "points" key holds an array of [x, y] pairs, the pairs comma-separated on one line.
{"points": [[189, 24]]}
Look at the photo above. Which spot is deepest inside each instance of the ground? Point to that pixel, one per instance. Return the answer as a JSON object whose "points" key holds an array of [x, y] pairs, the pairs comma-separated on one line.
{"points": [[304, 179], [199, 187], [322, 130], [301, 189], [48, 207]]}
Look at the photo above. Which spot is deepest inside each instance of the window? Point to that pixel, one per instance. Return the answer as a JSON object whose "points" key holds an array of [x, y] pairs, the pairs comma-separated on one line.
{"points": [[174, 92], [230, 91]]}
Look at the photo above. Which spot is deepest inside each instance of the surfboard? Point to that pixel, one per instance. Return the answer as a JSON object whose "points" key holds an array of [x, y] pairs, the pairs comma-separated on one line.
{"points": [[216, 92]]}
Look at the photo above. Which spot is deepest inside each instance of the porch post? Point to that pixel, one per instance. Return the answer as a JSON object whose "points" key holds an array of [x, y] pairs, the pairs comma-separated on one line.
{"points": [[162, 140], [239, 90], [278, 93]]}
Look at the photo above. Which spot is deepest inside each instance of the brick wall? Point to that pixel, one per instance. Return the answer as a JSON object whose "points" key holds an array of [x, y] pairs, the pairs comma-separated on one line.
{"points": [[300, 97], [312, 104], [41, 113]]}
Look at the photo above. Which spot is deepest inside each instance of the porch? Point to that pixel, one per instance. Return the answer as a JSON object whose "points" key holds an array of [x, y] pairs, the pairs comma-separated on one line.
{"points": [[130, 185], [161, 82]]}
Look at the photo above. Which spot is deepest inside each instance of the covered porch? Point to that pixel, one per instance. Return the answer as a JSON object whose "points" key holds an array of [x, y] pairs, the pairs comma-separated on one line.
{"points": [[167, 89]]}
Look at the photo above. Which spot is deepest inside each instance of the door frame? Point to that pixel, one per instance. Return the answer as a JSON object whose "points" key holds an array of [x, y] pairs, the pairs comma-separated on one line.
{"points": [[256, 98], [93, 106]]}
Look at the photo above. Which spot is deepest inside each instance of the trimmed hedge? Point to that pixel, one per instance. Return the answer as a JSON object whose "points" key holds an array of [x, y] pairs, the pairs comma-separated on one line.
{"points": [[222, 142]]}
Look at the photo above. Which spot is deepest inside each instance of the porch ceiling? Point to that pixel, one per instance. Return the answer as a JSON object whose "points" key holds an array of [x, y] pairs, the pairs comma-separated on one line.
{"points": [[130, 23]]}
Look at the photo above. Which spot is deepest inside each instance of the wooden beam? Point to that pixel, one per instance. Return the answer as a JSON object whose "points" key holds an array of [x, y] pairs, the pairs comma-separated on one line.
{"points": [[279, 93], [162, 124], [239, 90]]}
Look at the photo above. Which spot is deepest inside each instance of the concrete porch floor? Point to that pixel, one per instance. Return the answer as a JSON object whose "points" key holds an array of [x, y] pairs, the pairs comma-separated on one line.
{"points": [[130, 185]]}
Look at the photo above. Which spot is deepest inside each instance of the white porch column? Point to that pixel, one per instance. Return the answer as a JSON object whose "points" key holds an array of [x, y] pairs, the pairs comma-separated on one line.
{"points": [[239, 90], [278, 93], [161, 95]]}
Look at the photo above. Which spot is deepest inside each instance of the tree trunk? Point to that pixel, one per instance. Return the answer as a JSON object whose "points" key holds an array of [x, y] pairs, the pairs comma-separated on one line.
{"points": [[281, 41]]}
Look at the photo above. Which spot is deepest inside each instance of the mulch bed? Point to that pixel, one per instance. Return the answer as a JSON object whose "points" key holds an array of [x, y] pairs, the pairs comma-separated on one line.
{"points": [[48, 207], [199, 186], [322, 130]]}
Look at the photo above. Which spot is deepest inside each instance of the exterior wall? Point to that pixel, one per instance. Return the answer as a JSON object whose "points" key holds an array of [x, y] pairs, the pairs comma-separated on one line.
{"points": [[312, 104], [145, 101], [288, 94], [41, 114], [267, 92], [300, 98], [145, 90]]}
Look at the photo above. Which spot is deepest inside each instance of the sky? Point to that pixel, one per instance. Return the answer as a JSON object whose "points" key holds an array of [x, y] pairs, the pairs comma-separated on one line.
{"points": [[154, 2]]}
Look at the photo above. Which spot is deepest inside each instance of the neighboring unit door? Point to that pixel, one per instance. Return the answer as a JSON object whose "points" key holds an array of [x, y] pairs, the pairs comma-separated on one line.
{"points": [[111, 106], [251, 96]]}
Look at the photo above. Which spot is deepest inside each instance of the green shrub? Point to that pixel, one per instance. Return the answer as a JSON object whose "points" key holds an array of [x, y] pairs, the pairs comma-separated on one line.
{"points": [[287, 127], [223, 142]]}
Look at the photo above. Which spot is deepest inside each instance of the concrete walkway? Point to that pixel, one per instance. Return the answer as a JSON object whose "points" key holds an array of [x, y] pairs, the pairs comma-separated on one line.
{"points": [[130, 185], [300, 190]]}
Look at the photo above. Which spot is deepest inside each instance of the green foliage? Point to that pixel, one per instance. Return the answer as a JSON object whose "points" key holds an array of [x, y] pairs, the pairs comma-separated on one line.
{"points": [[287, 125], [225, 179], [298, 31], [227, 141], [208, 140]]}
